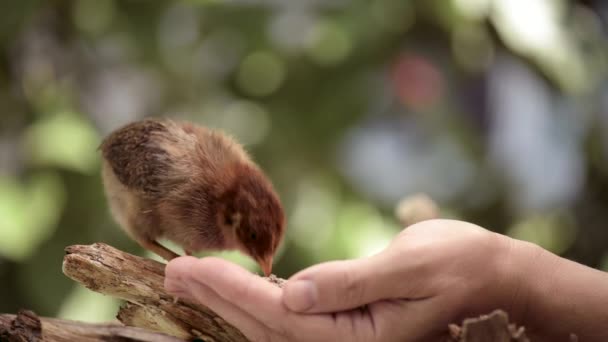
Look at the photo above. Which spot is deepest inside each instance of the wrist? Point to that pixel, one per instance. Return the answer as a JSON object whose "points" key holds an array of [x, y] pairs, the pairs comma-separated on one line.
{"points": [[516, 262], [554, 297], [529, 270]]}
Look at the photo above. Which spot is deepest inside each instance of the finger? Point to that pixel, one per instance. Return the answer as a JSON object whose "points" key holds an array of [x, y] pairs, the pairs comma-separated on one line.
{"points": [[345, 285], [178, 281], [251, 293], [405, 320], [247, 324], [175, 273], [177, 289]]}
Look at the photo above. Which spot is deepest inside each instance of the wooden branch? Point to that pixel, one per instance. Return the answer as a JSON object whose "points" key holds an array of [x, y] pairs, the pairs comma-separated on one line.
{"points": [[26, 326], [139, 281], [492, 327]]}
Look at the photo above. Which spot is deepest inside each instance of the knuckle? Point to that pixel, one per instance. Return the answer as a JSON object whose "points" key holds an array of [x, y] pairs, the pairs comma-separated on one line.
{"points": [[353, 287]]}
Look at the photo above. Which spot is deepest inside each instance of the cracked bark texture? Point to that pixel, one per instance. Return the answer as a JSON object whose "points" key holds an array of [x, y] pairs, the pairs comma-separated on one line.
{"points": [[139, 281], [26, 326]]}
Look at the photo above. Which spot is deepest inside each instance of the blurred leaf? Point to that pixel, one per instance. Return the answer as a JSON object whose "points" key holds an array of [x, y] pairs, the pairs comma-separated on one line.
{"points": [[535, 30], [552, 232], [363, 231], [247, 121], [93, 16], [313, 217], [85, 305], [63, 139], [28, 213], [329, 43], [261, 73]]}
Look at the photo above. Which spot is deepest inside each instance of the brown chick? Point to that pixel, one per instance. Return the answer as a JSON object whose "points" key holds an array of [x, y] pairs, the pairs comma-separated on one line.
{"points": [[191, 185]]}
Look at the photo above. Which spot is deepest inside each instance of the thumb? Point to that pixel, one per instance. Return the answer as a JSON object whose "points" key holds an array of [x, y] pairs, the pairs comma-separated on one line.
{"points": [[343, 285]]}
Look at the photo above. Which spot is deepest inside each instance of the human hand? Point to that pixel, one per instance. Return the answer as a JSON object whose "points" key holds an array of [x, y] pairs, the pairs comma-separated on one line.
{"points": [[433, 273]]}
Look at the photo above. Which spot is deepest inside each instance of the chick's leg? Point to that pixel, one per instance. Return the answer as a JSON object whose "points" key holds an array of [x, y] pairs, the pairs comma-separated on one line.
{"points": [[154, 246], [144, 228]]}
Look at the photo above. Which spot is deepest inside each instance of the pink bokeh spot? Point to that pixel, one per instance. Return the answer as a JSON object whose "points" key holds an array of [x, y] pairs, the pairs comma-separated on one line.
{"points": [[416, 81]]}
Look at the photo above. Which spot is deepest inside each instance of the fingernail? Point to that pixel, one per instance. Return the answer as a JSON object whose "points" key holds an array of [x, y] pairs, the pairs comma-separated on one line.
{"points": [[300, 295]]}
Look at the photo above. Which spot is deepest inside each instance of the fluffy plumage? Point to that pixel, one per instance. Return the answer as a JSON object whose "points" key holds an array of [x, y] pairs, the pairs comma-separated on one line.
{"points": [[192, 185]]}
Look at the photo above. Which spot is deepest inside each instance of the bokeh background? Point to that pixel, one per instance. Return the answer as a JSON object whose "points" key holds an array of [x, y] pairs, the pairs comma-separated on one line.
{"points": [[497, 109]]}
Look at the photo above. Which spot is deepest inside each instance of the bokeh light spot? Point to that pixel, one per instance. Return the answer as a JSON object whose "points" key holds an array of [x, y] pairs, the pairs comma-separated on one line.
{"points": [[85, 305], [328, 43], [28, 213], [552, 232], [362, 230], [247, 120], [92, 16], [417, 81], [261, 73], [314, 215], [287, 29], [64, 139]]}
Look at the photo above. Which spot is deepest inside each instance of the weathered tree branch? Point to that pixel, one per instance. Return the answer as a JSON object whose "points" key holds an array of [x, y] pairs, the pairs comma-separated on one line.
{"points": [[139, 281], [26, 326], [493, 327]]}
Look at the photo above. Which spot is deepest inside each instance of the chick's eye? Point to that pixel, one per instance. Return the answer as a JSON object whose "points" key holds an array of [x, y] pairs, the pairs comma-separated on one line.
{"points": [[253, 236]]}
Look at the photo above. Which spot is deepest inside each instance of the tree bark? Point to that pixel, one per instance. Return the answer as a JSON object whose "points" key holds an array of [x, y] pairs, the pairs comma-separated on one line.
{"points": [[140, 282], [493, 327], [26, 326]]}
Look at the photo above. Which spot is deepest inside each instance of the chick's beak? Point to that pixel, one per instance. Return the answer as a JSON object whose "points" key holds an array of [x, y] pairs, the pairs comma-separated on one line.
{"points": [[266, 265]]}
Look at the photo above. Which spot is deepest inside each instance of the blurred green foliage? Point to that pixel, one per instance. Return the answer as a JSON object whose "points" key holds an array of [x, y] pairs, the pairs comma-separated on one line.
{"points": [[496, 108]]}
